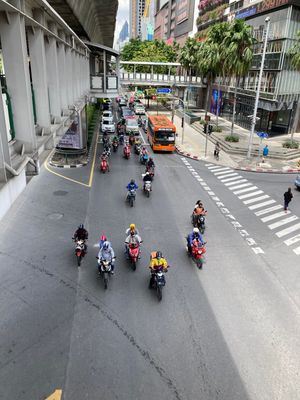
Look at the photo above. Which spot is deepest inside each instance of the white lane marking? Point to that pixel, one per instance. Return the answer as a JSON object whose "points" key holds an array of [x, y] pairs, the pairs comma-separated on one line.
{"points": [[141, 135], [286, 231], [274, 216], [244, 196], [223, 172], [211, 193], [231, 179], [240, 186], [297, 251], [265, 203], [256, 199], [292, 240], [267, 210], [283, 222], [227, 175], [235, 182], [257, 250], [245, 190], [206, 188], [199, 179], [217, 168], [208, 165]]}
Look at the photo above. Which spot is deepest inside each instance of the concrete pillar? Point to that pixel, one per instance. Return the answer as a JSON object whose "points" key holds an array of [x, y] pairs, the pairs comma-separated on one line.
{"points": [[36, 42], [104, 71], [74, 76], [79, 75], [69, 71], [4, 152], [61, 58], [53, 74], [118, 70], [14, 50]]}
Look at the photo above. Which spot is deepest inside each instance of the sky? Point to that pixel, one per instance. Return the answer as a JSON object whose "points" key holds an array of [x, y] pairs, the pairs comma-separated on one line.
{"points": [[122, 16]]}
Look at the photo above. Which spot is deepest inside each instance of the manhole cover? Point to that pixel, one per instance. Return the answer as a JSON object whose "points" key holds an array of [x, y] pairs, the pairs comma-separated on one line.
{"points": [[55, 216], [60, 193]]}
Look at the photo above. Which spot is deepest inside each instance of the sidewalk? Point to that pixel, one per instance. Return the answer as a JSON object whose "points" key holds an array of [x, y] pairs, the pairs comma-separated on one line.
{"points": [[234, 155]]}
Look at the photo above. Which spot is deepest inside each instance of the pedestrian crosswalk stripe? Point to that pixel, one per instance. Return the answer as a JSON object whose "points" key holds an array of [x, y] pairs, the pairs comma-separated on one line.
{"points": [[217, 168], [223, 172], [297, 251], [268, 210], [292, 240], [286, 231], [274, 216], [244, 196], [283, 222], [231, 179], [265, 203], [256, 199], [240, 186], [227, 175], [245, 190], [235, 182], [207, 165]]}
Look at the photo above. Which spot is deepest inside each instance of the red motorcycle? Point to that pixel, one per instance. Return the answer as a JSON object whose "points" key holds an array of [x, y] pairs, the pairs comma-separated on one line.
{"points": [[151, 171], [198, 251], [126, 152], [104, 165], [79, 250], [134, 252]]}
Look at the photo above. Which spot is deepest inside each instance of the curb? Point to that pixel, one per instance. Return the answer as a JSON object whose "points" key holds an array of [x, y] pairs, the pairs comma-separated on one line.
{"points": [[246, 169]]}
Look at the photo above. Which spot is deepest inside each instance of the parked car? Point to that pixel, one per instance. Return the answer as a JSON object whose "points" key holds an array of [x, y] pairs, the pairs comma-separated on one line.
{"points": [[108, 126], [297, 182]]}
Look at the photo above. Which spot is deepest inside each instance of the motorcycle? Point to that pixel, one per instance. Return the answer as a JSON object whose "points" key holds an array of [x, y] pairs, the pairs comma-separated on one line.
{"points": [[201, 223], [131, 139], [126, 152], [131, 197], [121, 138], [133, 252], [159, 281], [104, 268], [137, 148], [104, 165], [144, 158], [197, 253], [79, 251], [115, 145], [151, 171], [147, 188]]}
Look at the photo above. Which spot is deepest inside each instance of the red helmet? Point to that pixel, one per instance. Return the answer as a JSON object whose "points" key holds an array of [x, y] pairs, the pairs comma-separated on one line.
{"points": [[103, 237]]}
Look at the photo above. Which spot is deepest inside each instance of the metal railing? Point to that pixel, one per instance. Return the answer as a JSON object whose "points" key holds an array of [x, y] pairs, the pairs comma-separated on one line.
{"points": [[164, 79]]}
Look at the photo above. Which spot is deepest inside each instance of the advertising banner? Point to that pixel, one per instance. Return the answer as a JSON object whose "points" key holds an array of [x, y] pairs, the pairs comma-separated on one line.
{"points": [[76, 136], [215, 104]]}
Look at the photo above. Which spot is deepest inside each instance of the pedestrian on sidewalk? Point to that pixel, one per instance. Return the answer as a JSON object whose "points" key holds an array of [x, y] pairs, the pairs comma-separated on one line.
{"points": [[217, 151], [287, 198], [266, 151]]}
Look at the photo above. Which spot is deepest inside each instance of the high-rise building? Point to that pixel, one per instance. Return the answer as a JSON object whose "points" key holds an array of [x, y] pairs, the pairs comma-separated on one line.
{"points": [[124, 33], [148, 20], [136, 12], [174, 20]]}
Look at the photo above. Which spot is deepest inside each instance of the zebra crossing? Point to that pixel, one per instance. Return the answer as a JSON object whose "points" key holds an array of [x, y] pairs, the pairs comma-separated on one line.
{"points": [[283, 223]]}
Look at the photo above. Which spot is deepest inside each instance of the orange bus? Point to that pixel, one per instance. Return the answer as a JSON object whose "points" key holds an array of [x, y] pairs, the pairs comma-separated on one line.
{"points": [[161, 133]]}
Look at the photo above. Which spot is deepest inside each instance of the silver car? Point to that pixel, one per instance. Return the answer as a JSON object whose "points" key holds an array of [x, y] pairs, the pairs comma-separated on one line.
{"points": [[108, 126]]}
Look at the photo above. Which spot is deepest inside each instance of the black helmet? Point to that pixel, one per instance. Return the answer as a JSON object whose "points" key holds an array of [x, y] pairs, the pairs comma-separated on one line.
{"points": [[132, 181], [158, 254], [81, 226]]}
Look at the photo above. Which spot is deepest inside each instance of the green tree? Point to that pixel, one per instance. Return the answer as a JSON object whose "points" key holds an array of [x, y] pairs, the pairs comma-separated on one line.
{"points": [[238, 54], [295, 53], [188, 56]]}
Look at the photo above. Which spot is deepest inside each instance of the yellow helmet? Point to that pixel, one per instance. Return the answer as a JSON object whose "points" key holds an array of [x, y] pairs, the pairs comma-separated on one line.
{"points": [[132, 226]]}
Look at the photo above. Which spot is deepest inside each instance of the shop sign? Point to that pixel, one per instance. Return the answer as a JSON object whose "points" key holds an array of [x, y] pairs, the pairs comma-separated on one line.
{"points": [[246, 13]]}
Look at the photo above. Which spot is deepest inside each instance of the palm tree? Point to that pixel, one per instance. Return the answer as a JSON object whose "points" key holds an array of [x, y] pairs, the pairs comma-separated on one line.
{"points": [[188, 55], [215, 36], [238, 54]]}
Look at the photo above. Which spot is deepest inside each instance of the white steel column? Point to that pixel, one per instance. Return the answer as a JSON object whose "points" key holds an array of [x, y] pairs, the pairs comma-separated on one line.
{"points": [[36, 44], [61, 58], [74, 76], [14, 50], [4, 152], [69, 75], [53, 75]]}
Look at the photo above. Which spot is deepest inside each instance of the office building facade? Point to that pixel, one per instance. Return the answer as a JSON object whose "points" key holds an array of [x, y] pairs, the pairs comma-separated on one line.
{"points": [[136, 12]]}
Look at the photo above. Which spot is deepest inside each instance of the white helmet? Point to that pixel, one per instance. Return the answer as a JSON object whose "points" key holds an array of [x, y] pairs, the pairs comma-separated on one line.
{"points": [[196, 230]]}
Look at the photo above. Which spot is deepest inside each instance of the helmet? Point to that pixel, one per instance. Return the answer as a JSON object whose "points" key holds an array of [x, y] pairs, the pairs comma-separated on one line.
{"points": [[150, 159], [147, 173], [196, 230], [132, 226], [158, 254], [103, 237], [105, 245], [132, 181], [81, 226]]}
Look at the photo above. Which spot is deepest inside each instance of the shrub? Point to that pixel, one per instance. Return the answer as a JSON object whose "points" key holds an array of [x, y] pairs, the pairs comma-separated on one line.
{"points": [[290, 145], [202, 122], [217, 129], [231, 138]]}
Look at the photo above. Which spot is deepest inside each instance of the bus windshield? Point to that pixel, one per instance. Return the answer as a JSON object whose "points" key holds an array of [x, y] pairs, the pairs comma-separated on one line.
{"points": [[165, 135]]}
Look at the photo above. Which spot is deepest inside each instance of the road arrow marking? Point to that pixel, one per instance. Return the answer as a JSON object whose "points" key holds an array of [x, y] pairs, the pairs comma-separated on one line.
{"points": [[55, 396]]}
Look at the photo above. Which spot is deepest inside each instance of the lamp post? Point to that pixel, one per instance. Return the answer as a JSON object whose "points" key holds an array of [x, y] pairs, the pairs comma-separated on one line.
{"points": [[267, 20], [183, 118]]}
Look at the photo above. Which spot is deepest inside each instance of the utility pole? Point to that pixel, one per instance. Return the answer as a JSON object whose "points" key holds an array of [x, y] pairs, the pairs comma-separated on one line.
{"points": [[267, 20]]}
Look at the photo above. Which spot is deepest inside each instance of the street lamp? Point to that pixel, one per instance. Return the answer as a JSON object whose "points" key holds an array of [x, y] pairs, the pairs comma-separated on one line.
{"points": [[253, 122], [182, 123]]}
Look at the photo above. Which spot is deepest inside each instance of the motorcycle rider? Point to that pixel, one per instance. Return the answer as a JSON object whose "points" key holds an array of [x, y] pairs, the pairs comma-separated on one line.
{"points": [[106, 252], [81, 234], [147, 178], [195, 234], [132, 238], [131, 186], [104, 157], [157, 262], [132, 228], [103, 238], [150, 163]]}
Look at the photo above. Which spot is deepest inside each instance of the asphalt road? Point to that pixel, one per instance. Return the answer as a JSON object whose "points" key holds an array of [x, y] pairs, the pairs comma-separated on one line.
{"points": [[228, 332]]}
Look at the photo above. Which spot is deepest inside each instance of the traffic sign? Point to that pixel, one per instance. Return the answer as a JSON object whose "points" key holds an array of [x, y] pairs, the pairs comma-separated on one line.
{"points": [[163, 90], [262, 135]]}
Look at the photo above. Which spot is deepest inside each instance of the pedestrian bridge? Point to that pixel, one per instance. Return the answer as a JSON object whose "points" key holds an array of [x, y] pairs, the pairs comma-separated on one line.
{"points": [[151, 76]]}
